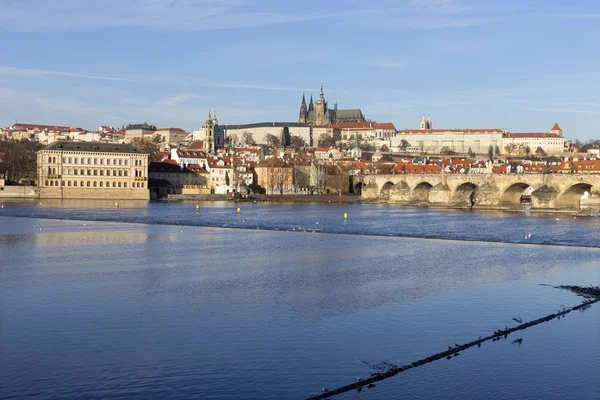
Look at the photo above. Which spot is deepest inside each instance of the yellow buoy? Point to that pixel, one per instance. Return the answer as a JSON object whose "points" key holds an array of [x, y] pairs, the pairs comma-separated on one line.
{"points": [[116, 204], [197, 207], [238, 210], [345, 215]]}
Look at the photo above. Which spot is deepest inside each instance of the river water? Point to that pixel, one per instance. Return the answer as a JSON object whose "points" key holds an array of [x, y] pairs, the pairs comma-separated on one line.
{"points": [[160, 301]]}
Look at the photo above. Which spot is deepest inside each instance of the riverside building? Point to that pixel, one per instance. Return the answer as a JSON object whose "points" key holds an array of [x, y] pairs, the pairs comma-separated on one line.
{"points": [[74, 170]]}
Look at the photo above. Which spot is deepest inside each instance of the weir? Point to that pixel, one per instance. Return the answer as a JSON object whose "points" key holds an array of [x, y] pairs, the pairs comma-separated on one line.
{"points": [[500, 333]]}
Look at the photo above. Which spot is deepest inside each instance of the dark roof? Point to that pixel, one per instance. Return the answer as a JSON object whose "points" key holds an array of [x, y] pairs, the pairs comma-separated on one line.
{"points": [[264, 125], [141, 126], [163, 167], [93, 146], [350, 115]]}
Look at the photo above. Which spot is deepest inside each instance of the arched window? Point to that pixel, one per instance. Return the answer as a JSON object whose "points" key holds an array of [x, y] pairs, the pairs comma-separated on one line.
{"points": [[74, 183], [114, 184], [46, 183], [88, 183], [63, 183], [119, 184], [69, 183], [125, 184], [95, 184], [142, 185], [81, 184], [107, 184], [101, 183], [49, 170]]}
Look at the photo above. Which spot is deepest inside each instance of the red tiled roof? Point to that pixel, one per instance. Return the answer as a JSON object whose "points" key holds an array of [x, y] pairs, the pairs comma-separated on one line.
{"points": [[532, 134], [422, 131], [384, 125], [171, 129], [41, 127], [353, 125], [556, 127], [196, 145]]}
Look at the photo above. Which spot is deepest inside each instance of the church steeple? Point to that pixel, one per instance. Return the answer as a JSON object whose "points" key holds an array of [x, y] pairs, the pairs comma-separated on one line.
{"points": [[335, 104], [423, 123], [429, 125], [303, 111], [311, 106]]}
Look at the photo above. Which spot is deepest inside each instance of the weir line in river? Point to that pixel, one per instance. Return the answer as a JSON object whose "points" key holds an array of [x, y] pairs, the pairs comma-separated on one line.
{"points": [[498, 334]]}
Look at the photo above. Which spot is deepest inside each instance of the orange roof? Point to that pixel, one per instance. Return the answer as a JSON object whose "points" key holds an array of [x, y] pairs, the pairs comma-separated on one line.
{"points": [[196, 145], [556, 127], [422, 131], [532, 134], [353, 125], [171, 129], [385, 125]]}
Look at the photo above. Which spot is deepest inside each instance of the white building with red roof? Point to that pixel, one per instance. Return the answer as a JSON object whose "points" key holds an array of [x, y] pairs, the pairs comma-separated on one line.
{"points": [[551, 142]]}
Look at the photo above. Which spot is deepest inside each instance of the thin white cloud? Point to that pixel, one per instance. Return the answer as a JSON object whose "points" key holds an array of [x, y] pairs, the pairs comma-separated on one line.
{"points": [[49, 16], [6, 70]]}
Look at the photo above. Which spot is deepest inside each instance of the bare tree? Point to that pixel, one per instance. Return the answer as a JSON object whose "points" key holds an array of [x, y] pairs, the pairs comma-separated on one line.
{"points": [[282, 177], [146, 146], [296, 142], [404, 144], [326, 141], [341, 178], [248, 138], [272, 140], [18, 161]]}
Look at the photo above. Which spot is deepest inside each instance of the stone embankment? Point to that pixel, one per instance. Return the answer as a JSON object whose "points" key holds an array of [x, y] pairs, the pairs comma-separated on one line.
{"points": [[592, 295]]}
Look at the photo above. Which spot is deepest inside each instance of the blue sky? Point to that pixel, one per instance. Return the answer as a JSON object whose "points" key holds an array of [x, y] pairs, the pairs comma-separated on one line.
{"points": [[518, 65]]}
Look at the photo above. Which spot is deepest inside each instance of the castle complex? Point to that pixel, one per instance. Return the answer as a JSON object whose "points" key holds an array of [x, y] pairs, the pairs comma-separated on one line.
{"points": [[319, 113]]}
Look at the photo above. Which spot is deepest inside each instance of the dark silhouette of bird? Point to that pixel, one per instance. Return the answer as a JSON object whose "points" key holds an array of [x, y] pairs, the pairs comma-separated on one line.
{"points": [[519, 320], [518, 341]]}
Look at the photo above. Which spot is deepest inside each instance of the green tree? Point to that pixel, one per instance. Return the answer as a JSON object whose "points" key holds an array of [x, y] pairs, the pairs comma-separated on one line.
{"points": [[491, 153], [227, 178]]}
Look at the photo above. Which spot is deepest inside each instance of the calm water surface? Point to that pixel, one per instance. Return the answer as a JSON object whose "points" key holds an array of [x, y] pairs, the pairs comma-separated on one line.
{"points": [[158, 301]]}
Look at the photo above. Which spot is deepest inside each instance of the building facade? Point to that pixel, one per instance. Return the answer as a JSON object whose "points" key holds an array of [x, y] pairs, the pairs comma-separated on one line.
{"points": [[137, 131], [260, 133], [75, 170]]}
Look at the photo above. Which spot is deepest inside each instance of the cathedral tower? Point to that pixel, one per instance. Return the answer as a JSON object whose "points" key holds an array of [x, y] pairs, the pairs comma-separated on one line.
{"points": [[303, 111]]}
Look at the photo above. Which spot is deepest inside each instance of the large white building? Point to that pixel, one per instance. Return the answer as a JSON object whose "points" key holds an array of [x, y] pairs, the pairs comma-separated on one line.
{"points": [[259, 133], [551, 142]]}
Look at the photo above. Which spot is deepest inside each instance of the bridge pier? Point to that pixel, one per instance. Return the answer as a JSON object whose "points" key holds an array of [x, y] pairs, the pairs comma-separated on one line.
{"points": [[440, 194], [400, 193], [544, 197]]}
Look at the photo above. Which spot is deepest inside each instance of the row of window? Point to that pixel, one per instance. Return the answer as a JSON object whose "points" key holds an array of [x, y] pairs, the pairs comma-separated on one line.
{"points": [[94, 184], [95, 161], [94, 172]]}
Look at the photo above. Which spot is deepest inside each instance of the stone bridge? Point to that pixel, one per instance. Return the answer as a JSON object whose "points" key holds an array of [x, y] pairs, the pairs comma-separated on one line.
{"points": [[544, 191]]}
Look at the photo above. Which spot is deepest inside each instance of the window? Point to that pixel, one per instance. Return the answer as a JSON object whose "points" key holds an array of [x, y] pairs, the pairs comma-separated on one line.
{"points": [[120, 173], [107, 184], [46, 183], [119, 184], [142, 185], [114, 184], [125, 173], [125, 184], [81, 184], [88, 183], [101, 183], [74, 183], [101, 172], [94, 183], [114, 172], [95, 172], [49, 170], [69, 183], [126, 162], [63, 183], [89, 172]]}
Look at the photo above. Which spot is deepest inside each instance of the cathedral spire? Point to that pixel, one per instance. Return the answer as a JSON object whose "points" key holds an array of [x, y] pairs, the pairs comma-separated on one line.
{"points": [[321, 95], [335, 104], [311, 106], [303, 99]]}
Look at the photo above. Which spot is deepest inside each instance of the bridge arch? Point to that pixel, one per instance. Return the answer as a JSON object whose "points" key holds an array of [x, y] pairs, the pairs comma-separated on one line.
{"points": [[512, 194], [385, 189], [421, 192], [464, 194], [358, 187], [571, 196]]}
